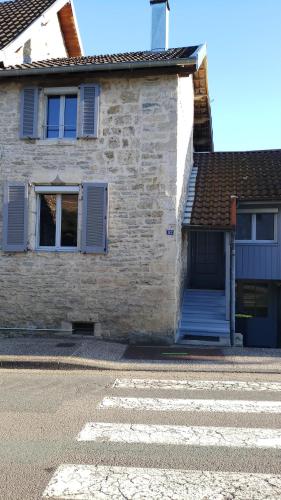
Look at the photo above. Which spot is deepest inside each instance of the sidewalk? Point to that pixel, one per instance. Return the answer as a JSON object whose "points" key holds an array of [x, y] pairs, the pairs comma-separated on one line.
{"points": [[71, 353]]}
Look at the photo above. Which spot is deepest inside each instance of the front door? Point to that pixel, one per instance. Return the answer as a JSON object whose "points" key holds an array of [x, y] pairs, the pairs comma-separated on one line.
{"points": [[207, 260], [257, 313]]}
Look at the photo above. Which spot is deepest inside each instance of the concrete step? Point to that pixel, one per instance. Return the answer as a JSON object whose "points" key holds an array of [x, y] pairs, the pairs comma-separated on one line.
{"points": [[212, 328], [222, 342]]}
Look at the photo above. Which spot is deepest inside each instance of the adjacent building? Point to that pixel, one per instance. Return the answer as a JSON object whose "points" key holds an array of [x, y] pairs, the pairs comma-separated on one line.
{"points": [[32, 30], [234, 225]]}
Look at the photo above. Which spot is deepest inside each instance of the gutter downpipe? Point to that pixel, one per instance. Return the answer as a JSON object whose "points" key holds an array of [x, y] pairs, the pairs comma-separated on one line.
{"points": [[233, 220]]}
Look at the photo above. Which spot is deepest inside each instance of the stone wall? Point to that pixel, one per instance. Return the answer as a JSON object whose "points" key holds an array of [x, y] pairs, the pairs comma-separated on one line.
{"points": [[133, 291]]}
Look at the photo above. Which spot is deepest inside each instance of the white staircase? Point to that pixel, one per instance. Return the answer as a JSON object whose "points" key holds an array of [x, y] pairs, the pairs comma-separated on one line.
{"points": [[203, 319]]}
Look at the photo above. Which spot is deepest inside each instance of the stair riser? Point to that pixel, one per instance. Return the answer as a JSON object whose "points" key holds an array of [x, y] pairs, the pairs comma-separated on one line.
{"points": [[221, 343]]}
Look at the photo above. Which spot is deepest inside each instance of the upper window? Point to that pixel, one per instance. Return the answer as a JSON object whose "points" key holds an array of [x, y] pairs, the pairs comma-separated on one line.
{"points": [[259, 226], [61, 116], [57, 221], [52, 113]]}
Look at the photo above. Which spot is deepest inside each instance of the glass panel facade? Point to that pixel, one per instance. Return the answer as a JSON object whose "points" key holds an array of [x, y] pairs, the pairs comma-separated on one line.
{"points": [[265, 227], [69, 216], [244, 227], [70, 116], [47, 220], [53, 117]]}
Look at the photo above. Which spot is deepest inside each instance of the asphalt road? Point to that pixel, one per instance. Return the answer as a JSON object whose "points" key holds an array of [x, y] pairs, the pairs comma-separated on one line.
{"points": [[43, 412]]}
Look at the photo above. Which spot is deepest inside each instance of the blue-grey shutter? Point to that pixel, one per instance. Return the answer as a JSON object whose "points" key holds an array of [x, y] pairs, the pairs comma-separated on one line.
{"points": [[15, 215], [94, 225], [29, 113], [89, 110]]}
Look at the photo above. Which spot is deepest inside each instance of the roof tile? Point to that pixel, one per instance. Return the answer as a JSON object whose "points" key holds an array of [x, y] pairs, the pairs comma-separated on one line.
{"points": [[127, 57], [251, 176], [17, 15]]}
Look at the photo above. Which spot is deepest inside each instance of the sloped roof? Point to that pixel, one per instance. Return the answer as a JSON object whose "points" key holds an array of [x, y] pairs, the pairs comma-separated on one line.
{"points": [[127, 57], [17, 15], [251, 176]]}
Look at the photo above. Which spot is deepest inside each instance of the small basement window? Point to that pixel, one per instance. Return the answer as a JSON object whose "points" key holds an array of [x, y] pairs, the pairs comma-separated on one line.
{"points": [[81, 328]]}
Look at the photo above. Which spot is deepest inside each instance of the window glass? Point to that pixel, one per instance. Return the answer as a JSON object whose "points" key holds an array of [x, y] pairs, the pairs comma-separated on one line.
{"points": [[265, 226], [53, 117], [47, 220], [244, 227], [69, 213], [70, 116], [252, 299]]}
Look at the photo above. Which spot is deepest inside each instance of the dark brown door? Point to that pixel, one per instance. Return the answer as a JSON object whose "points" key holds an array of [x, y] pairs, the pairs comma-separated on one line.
{"points": [[207, 260]]}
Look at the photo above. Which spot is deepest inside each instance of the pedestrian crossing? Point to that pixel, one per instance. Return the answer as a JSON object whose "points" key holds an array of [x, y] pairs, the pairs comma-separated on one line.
{"points": [[99, 482], [181, 435], [191, 405]]}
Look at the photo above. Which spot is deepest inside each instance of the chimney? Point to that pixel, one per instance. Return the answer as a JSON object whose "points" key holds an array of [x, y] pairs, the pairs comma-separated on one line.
{"points": [[160, 25]]}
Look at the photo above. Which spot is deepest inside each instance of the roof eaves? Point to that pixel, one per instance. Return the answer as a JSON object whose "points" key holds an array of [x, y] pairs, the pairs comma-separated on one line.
{"points": [[77, 68]]}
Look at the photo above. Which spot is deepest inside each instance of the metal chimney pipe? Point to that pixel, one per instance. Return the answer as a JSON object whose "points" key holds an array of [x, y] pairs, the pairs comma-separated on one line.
{"points": [[160, 25]]}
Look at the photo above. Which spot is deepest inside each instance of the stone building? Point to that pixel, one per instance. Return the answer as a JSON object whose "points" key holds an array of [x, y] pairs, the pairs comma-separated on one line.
{"points": [[96, 154]]}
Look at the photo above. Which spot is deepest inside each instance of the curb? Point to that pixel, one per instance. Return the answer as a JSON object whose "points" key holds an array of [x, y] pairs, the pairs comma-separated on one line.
{"points": [[69, 363]]}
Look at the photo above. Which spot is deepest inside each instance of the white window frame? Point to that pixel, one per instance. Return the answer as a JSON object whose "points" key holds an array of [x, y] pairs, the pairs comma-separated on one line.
{"points": [[61, 92], [254, 213], [58, 191]]}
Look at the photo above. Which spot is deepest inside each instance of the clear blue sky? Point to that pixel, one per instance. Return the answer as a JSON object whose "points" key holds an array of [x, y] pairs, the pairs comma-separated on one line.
{"points": [[244, 40]]}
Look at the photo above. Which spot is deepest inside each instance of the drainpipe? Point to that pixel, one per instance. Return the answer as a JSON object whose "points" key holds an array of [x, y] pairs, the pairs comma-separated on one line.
{"points": [[233, 221]]}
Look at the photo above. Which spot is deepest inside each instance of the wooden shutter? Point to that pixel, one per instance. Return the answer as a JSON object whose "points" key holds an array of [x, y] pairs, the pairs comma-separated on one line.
{"points": [[15, 217], [29, 113], [89, 110], [94, 225]]}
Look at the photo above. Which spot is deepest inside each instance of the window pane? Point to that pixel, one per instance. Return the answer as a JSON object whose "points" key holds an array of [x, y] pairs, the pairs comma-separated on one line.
{"points": [[244, 227], [70, 116], [254, 300], [261, 300], [53, 117], [47, 220], [69, 215], [265, 226], [249, 300]]}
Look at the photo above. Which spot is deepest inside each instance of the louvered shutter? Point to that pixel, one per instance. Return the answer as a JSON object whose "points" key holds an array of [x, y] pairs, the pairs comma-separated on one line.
{"points": [[89, 110], [29, 113], [15, 217], [94, 226]]}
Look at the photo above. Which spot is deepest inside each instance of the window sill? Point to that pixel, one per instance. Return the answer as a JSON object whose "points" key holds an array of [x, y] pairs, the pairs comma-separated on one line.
{"points": [[56, 142], [57, 250], [257, 243]]}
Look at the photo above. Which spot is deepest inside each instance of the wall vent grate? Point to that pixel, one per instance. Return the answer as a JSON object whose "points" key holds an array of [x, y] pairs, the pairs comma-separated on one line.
{"points": [[80, 328]]}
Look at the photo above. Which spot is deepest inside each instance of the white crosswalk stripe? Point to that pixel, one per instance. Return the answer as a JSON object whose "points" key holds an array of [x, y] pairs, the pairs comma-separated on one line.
{"points": [[181, 435], [86, 482], [96, 482], [197, 385], [191, 405]]}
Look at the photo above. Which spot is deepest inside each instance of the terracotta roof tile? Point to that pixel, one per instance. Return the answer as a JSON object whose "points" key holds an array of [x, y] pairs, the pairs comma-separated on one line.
{"points": [[251, 176], [127, 57], [17, 15]]}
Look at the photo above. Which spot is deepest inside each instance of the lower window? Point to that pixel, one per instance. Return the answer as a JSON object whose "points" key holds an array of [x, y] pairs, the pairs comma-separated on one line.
{"points": [[252, 299], [57, 221]]}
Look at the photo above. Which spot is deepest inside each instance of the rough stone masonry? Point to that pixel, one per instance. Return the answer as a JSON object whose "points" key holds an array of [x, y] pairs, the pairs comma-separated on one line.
{"points": [[144, 151]]}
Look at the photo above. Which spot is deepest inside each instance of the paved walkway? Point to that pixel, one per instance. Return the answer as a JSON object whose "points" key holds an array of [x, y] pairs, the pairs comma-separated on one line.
{"points": [[84, 353]]}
